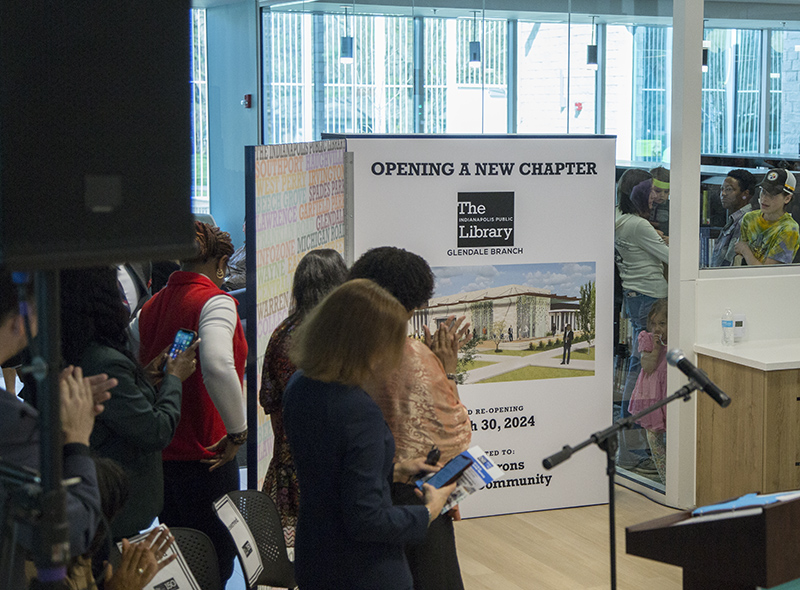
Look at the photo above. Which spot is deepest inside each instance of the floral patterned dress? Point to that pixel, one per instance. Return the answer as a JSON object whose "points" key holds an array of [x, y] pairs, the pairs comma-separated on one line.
{"points": [[281, 479]]}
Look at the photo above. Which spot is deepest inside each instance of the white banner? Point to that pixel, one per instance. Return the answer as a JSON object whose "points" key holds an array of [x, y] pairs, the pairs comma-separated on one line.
{"points": [[519, 232]]}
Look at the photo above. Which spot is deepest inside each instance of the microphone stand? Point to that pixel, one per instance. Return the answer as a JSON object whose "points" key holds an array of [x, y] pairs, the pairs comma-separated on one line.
{"points": [[608, 441]]}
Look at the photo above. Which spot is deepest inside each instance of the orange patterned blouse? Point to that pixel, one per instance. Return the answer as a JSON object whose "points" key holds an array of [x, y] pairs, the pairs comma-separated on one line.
{"points": [[422, 408]]}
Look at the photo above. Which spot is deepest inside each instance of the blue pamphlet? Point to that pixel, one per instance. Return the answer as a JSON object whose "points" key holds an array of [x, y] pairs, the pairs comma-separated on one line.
{"points": [[747, 501]]}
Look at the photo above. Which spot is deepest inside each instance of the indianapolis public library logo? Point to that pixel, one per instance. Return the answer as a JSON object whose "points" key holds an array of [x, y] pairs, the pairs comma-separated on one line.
{"points": [[485, 219]]}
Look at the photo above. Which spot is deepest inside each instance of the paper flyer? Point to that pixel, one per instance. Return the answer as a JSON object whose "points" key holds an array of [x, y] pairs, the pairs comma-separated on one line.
{"points": [[242, 537], [176, 575], [482, 471]]}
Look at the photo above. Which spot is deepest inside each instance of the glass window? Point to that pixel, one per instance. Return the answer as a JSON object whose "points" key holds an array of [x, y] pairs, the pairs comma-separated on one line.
{"points": [[651, 102], [200, 193], [778, 44], [435, 103], [307, 90], [287, 81], [394, 48], [716, 133], [374, 94], [747, 51], [784, 92], [464, 95], [582, 77], [619, 88], [731, 92], [542, 83]]}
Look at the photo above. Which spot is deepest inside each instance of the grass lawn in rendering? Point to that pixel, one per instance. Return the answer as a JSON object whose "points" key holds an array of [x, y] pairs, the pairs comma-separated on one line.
{"points": [[582, 354], [532, 373], [478, 365]]}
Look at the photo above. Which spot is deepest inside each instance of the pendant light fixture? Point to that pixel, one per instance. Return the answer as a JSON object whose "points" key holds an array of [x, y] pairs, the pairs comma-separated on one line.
{"points": [[475, 45], [591, 51], [346, 47], [706, 47]]}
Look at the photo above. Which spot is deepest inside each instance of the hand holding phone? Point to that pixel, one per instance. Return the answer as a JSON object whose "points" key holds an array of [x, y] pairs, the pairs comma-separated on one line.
{"points": [[183, 340], [449, 473], [180, 359], [435, 499]]}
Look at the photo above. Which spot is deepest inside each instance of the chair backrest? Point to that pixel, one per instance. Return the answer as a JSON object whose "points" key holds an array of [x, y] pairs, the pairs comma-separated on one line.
{"points": [[261, 517], [200, 555]]}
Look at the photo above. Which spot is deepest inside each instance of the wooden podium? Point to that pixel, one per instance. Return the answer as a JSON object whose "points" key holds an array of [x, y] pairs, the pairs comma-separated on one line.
{"points": [[736, 550]]}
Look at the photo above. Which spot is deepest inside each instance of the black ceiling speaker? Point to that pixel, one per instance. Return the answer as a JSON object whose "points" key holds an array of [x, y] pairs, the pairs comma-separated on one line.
{"points": [[95, 132]]}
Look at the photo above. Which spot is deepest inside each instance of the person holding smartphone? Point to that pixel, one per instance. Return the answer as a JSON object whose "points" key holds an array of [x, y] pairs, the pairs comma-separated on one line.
{"points": [[200, 463], [421, 404], [349, 534], [140, 419]]}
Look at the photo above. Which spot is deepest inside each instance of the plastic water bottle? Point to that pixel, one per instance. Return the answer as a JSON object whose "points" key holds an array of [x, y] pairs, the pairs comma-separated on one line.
{"points": [[727, 328]]}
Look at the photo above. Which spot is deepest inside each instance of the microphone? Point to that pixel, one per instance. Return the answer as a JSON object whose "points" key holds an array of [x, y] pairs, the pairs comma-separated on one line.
{"points": [[676, 359]]}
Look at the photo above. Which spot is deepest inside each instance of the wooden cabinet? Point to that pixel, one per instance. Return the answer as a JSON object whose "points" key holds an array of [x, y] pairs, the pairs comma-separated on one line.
{"points": [[753, 445]]}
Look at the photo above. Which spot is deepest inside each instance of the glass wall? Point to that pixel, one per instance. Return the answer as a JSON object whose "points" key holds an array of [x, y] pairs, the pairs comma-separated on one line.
{"points": [[287, 82], [555, 85], [651, 96], [731, 92], [619, 87], [784, 116], [308, 90], [464, 96], [412, 74]]}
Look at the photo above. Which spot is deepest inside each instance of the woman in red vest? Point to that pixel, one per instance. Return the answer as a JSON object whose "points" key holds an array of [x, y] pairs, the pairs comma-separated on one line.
{"points": [[200, 464]]}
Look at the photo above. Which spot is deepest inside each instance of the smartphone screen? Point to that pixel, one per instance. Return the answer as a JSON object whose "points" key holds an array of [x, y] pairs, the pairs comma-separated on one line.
{"points": [[183, 340], [449, 473]]}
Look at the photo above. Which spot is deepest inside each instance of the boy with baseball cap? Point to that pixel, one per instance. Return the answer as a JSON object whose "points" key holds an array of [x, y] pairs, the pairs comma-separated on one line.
{"points": [[770, 234]]}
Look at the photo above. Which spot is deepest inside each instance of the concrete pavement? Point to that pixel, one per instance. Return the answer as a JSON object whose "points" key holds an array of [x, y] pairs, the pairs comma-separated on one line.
{"points": [[504, 364]]}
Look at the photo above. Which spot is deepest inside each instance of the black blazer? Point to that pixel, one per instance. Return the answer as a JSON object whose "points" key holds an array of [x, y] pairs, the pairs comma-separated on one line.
{"points": [[137, 424], [349, 535]]}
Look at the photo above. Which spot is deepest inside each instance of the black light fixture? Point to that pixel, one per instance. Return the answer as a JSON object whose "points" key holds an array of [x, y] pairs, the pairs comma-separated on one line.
{"points": [[346, 45], [475, 46], [706, 47], [591, 51]]}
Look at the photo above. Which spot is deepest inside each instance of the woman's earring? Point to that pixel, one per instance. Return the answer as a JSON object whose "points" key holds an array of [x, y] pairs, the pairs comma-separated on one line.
{"points": [[220, 273]]}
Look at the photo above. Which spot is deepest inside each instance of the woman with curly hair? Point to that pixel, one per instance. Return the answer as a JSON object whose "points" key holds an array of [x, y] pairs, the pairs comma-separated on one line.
{"points": [[140, 419], [318, 273], [200, 464], [420, 403], [349, 533]]}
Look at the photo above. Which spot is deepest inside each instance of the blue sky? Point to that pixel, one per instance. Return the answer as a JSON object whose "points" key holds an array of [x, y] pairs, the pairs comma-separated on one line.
{"points": [[560, 278]]}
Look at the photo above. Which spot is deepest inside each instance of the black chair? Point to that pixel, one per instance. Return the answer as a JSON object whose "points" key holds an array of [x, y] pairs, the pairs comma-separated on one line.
{"points": [[261, 517], [200, 556]]}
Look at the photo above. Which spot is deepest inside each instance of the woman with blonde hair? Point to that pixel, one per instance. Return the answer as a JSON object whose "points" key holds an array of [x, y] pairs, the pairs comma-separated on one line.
{"points": [[421, 405], [349, 535]]}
